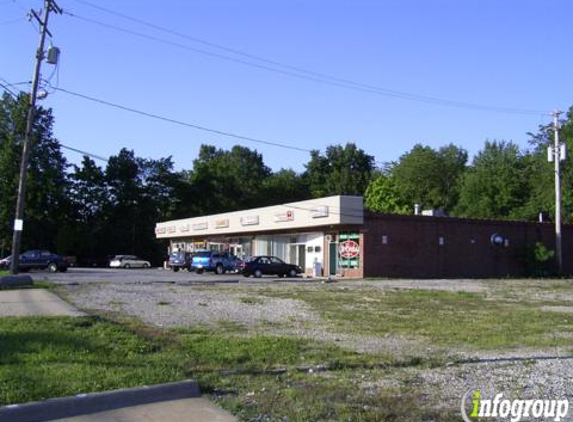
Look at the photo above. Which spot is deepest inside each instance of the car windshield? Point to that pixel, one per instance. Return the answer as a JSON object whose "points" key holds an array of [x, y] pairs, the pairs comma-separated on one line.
{"points": [[203, 254], [178, 255]]}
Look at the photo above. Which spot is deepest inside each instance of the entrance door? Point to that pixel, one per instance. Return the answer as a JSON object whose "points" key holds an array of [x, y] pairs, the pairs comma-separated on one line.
{"points": [[333, 258], [236, 250], [297, 255]]}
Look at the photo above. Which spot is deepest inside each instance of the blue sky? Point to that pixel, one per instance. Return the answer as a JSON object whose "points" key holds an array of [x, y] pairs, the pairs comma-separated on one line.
{"points": [[511, 53]]}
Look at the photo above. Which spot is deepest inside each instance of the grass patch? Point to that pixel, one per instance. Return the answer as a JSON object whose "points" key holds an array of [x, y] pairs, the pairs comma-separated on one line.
{"points": [[444, 318], [50, 357], [249, 300], [58, 356]]}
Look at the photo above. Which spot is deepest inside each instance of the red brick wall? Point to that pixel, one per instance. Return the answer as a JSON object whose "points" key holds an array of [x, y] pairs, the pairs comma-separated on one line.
{"points": [[413, 246]]}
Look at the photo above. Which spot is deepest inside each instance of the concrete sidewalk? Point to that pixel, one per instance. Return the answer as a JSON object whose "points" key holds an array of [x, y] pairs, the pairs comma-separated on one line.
{"points": [[34, 302], [184, 410]]}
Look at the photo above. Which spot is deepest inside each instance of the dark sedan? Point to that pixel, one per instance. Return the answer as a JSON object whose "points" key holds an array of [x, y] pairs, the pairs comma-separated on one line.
{"points": [[38, 259], [258, 266]]}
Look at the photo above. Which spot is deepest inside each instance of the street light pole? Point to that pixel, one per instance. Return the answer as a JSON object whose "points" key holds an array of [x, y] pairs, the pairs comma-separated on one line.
{"points": [[49, 5]]}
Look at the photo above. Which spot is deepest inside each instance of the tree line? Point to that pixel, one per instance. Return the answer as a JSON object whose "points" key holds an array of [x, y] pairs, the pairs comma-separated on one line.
{"points": [[92, 211]]}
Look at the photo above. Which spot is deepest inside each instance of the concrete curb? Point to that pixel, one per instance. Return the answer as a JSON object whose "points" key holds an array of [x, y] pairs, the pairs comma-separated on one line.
{"points": [[16, 280], [81, 404]]}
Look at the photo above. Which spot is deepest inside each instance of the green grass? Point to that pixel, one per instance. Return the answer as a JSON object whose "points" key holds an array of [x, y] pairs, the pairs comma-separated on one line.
{"points": [[48, 357], [441, 317]]}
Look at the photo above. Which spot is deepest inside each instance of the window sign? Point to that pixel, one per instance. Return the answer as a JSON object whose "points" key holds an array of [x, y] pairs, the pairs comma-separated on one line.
{"points": [[349, 250]]}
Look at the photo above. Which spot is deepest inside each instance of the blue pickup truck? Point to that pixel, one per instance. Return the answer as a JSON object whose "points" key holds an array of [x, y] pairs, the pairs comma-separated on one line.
{"points": [[37, 259], [218, 262]]}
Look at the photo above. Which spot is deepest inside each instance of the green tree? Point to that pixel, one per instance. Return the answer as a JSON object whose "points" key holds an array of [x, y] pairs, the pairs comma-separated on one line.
{"points": [[383, 196], [228, 180], [89, 200], [283, 186], [140, 192], [496, 185], [341, 171], [46, 207], [430, 178]]}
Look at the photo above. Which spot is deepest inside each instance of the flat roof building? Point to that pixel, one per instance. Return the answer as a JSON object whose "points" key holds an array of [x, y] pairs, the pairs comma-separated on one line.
{"points": [[345, 240]]}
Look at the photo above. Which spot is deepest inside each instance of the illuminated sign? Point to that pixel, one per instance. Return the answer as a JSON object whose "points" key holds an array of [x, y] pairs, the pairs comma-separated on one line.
{"points": [[160, 230], [184, 228]]}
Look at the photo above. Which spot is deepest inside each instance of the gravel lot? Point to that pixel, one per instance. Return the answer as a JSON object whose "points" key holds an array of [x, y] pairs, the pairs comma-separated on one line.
{"points": [[164, 299]]}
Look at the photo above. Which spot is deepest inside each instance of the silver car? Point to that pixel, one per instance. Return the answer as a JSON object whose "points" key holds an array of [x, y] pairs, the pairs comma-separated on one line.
{"points": [[128, 261]]}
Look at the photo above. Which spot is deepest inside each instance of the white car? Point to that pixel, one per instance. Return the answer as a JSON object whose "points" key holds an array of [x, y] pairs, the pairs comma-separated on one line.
{"points": [[128, 261]]}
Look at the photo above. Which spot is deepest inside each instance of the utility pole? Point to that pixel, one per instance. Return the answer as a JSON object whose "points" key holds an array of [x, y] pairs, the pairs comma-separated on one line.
{"points": [[49, 6], [558, 155]]}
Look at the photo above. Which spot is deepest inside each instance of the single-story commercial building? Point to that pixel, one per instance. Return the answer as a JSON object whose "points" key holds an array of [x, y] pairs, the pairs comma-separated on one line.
{"points": [[346, 240]]}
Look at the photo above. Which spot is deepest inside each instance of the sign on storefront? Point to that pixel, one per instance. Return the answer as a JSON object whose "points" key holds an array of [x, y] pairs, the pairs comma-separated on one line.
{"points": [[200, 226], [250, 220], [284, 216], [319, 212], [222, 223], [349, 250]]}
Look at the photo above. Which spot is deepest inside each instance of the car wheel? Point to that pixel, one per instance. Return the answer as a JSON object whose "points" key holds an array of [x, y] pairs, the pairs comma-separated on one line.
{"points": [[219, 269], [52, 267], [127, 266], [258, 273], [175, 269], [199, 271], [292, 273], [146, 265], [247, 275]]}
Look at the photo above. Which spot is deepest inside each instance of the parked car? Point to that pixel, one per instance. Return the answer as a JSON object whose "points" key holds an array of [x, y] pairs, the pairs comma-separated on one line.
{"points": [[180, 261], [37, 259], [128, 261], [259, 265], [208, 260]]}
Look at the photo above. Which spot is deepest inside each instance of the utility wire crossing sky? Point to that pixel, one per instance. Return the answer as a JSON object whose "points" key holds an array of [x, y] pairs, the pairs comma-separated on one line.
{"points": [[295, 75]]}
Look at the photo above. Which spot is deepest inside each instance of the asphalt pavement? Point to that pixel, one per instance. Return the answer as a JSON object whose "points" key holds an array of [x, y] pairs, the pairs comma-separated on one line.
{"points": [[151, 275]]}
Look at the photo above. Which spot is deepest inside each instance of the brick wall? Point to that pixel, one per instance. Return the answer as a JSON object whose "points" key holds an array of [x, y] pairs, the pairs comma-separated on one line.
{"points": [[433, 247]]}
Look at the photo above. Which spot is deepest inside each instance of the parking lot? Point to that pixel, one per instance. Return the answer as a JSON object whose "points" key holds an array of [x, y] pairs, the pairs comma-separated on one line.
{"points": [[145, 276]]}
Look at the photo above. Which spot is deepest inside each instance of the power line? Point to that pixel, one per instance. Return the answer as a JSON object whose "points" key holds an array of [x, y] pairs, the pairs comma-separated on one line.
{"points": [[175, 121], [303, 73], [8, 90], [189, 125], [180, 122], [89, 154]]}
